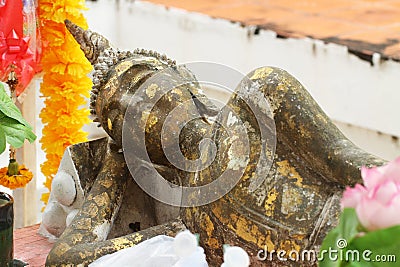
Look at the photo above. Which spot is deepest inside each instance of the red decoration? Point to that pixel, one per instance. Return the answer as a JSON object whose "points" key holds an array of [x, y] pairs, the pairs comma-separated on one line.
{"points": [[19, 49]]}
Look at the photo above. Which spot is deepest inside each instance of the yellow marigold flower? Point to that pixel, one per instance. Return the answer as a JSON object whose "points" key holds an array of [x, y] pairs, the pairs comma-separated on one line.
{"points": [[45, 199], [65, 83], [15, 181]]}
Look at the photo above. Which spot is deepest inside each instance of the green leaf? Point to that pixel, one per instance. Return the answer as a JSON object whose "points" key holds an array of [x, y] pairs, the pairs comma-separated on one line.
{"points": [[360, 251], [14, 129], [338, 238], [328, 243], [9, 108], [348, 224], [384, 243], [15, 132], [2, 141]]}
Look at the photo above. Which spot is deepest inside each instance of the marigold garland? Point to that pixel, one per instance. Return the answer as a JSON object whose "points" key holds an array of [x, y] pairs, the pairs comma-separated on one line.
{"points": [[65, 83], [15, 181]]}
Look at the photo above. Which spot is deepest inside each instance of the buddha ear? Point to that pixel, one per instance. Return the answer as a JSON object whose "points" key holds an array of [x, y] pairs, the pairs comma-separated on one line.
{"points": [[92, 43]]}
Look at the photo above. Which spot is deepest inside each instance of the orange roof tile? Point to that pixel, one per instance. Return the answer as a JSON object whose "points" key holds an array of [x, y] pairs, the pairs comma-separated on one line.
{"points": [[365, 26]]}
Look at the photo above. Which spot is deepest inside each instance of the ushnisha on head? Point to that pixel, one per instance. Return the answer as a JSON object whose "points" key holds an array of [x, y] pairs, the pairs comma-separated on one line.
{"points": [[100, 54], [92, 43]]}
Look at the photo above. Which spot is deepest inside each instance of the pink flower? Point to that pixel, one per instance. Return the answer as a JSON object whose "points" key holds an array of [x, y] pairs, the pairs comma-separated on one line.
{"points": [[377, 203], [352, 196]]}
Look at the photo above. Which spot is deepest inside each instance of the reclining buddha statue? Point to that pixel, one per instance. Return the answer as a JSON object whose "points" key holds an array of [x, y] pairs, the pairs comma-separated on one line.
{"points": [[265, 171]]}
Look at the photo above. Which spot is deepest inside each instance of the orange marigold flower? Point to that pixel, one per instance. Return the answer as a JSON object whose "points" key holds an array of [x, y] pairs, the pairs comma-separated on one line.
{"points": [[45, 199], [15, 181], [65, 83]]}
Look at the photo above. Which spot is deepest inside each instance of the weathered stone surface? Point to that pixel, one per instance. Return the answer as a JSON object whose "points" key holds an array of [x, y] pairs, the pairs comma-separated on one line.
{"points": [[292, 210], [298, 203]]}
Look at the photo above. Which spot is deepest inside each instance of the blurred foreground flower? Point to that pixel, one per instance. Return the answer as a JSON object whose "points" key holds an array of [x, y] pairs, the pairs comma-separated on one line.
{"points": [[368, 233], [378, 202]]}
